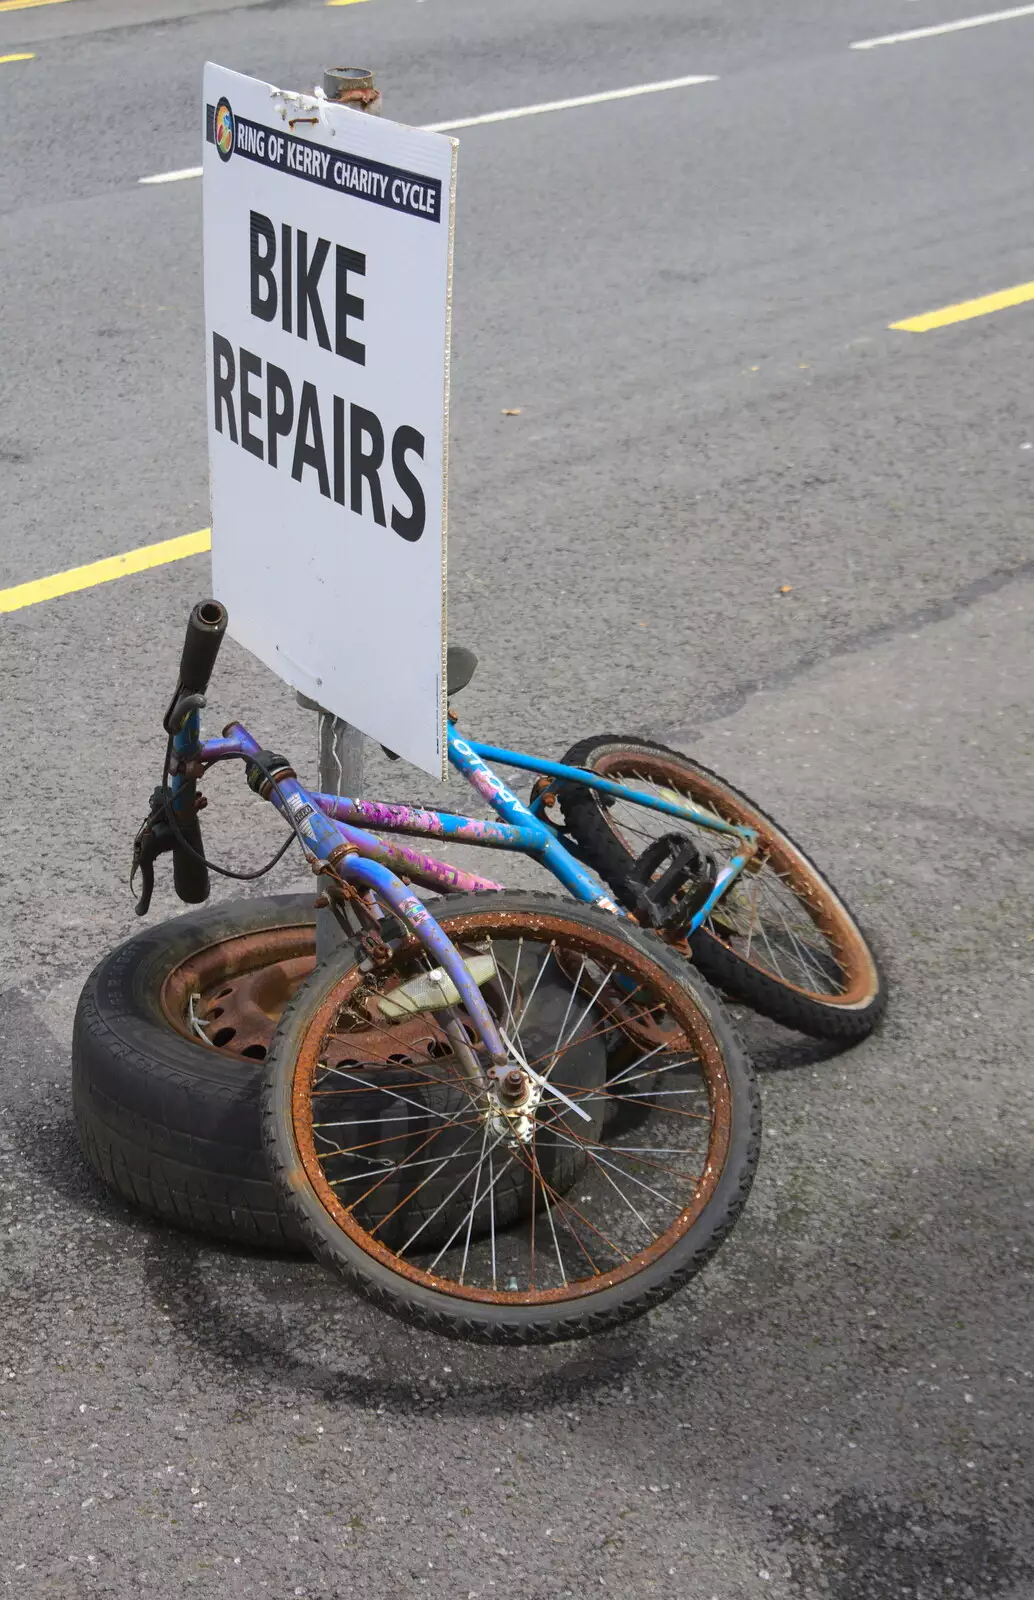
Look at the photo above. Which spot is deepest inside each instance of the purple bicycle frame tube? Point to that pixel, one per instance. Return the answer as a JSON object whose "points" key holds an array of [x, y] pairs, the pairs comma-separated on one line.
{"points": [[360, 869], [415, 820], [401, 859]]}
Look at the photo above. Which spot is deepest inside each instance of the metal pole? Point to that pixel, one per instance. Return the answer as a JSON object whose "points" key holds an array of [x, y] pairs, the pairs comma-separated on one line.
{"points": [[340, 745], [352, 86]]}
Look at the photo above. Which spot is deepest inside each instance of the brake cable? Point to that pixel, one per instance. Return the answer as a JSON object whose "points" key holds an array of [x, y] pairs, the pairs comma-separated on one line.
{"points": [[228, 872]]}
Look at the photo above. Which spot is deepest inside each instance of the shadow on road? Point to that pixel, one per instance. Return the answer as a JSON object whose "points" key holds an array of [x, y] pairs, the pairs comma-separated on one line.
{"points": [[247, 1315]]}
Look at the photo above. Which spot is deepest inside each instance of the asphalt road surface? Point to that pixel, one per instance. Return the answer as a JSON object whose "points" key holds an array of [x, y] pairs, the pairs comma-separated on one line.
{"points": [[688, 297]]}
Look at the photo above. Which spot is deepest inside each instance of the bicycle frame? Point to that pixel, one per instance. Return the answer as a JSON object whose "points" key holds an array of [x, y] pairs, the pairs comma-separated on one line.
{"points": [[333, 832], [521, 828]]}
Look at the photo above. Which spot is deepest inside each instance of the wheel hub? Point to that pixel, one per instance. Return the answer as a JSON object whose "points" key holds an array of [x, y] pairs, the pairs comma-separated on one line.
{"points": [[512, 1107]]}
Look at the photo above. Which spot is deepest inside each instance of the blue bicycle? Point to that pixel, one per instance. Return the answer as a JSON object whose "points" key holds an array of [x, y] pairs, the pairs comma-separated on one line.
{"points": [[513, 1119], [516, 1118]]}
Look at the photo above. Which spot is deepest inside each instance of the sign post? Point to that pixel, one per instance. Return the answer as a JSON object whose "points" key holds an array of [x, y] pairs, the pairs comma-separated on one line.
{"points": [[328, 257], [340, 746]]}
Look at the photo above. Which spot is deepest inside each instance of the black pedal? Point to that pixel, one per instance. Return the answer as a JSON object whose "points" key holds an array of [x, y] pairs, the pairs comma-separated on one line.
{"points": [[669, 883]]}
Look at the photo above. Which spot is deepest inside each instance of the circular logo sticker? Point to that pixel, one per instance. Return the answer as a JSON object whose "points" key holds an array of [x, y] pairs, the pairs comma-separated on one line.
{"points": [[224, 130]]}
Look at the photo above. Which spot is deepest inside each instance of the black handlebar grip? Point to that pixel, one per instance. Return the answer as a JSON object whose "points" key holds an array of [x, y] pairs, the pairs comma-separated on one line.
{"points": [[205, 628], [189, 875]]}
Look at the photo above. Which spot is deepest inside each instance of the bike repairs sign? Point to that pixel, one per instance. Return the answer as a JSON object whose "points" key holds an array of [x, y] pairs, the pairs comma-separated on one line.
{"points": [[328, 258]]}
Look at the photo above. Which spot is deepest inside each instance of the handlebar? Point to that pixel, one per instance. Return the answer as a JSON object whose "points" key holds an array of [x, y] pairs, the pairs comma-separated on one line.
{"points": [[189, 875], [173, 823], [205, 628]]}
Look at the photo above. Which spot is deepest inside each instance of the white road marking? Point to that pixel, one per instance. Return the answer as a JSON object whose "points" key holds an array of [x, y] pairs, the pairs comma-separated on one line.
{"points": [[567, 105], [505, 116], [944, 27], [173, 177]]}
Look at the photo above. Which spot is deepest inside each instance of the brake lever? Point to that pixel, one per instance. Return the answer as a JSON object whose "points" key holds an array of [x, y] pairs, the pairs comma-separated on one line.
{"points": [[144, 864], [180, 707], [154, 839]]}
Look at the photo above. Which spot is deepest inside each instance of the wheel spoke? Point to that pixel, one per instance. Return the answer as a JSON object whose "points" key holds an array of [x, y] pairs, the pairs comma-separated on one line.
{"points": [[473, 1204], [613, 1026], [388, 1167], [385, 1176], [534, 990], [516, 971], [444, 1203], [621, 1196], [644, 1161], [587, 1096], [320, 1093], [355, 1152], [491, 1194], [567, 1013], [593, 1154], [552, 1229], [534, 1208], [623, 1075], [438, 1208], [556, 1052], [390, 1138], [566, 1205], [390, 1089]]}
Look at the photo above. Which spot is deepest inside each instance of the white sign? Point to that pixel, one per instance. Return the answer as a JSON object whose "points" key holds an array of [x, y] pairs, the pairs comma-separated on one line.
{"points": [[328, 260]]}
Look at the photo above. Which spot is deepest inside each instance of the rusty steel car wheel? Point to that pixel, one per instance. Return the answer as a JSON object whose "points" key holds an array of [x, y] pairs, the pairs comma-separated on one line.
{"points": [[170, 1038]]}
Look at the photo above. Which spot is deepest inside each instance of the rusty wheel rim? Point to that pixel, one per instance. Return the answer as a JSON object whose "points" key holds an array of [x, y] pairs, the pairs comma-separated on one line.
{"points": [[785, 920], [672, 1173], [231, 994]]}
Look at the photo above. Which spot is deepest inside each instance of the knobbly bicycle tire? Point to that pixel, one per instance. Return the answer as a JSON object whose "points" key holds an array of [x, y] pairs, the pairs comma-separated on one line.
{"points": [[605, 841]]}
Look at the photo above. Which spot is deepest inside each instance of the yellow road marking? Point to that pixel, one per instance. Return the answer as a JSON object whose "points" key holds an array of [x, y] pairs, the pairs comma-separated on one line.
{"points": [[193, 544], [344, 2], [148, 555], [16, 58], [24, 5], [968, 308]]}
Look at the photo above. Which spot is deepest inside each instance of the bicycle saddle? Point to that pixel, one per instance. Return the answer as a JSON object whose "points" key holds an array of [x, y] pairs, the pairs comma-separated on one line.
{"points": [[460, 667]]}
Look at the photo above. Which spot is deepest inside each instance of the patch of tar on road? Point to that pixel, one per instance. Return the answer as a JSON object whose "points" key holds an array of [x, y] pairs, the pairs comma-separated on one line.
{"points": [[859, 1547]]}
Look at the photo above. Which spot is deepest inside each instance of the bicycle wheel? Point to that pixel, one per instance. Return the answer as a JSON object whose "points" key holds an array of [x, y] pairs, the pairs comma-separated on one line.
{"points": [[782, 940], [567, 1221]]}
